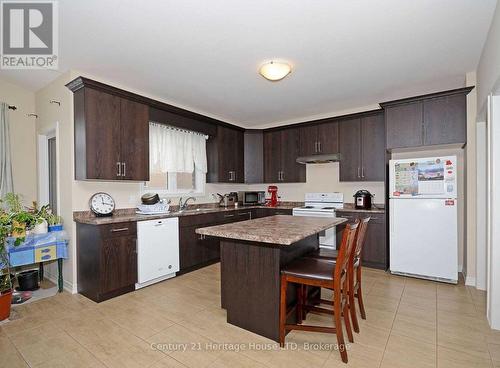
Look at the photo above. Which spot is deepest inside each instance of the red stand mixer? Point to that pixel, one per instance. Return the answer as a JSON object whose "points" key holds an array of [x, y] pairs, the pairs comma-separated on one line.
{"points": [[273, 201]]}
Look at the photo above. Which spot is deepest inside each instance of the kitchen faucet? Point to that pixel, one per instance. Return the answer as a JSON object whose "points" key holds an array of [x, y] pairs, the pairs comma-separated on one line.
{"points": [[183, 206]]}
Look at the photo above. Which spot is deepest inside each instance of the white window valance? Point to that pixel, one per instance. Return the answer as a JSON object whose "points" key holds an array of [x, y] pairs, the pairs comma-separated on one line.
{"points": [[176, 150]]}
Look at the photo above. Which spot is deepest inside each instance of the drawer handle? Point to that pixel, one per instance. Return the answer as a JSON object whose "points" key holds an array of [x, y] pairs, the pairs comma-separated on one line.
{"points": [[120, 229], [46, 250], [228, 216]]}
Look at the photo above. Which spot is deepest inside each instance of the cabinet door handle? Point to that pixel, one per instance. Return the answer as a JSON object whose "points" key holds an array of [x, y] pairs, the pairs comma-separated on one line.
{"points": [[282, 176], [319, 146], [202, 237], [359, 173], [315, 147], [119, 173], [362, 172], [124, 169], [119, 229]]}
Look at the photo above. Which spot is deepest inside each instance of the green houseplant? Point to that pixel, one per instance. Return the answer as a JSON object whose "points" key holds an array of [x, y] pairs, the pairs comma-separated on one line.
{"points": [[8, 226], [55, 222]]}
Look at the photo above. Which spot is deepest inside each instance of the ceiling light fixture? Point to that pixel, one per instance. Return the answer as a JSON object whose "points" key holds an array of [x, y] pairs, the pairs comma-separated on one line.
{"points": [[275, 70]]}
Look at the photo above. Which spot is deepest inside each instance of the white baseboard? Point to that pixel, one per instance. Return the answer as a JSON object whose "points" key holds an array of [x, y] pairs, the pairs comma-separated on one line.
{"points": [[68, 286], [470, 281]]}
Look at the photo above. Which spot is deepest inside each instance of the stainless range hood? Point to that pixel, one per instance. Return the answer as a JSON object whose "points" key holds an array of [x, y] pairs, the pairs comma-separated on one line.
{"points": [[319, 159]]}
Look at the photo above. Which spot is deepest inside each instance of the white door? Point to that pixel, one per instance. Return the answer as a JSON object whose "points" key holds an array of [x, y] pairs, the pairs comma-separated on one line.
{"points": [[424, 238], [157, 248]]}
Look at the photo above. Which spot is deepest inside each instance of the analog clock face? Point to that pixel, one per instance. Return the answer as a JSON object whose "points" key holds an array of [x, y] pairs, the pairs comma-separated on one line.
{"points": [[102, 204]]}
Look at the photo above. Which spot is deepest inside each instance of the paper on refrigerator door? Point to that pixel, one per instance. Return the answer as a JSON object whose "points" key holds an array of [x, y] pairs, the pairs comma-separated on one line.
{"points": [[424, 177], [406, 178], [431, 177]]}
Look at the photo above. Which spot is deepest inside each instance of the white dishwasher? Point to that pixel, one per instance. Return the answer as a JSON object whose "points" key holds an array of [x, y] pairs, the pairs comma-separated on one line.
{"points": [[157, 250]]}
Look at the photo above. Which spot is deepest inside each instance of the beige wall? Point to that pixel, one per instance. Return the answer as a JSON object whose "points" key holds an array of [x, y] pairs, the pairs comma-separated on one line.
{"points": [[461, 188], [23, 139], [488, 69]]}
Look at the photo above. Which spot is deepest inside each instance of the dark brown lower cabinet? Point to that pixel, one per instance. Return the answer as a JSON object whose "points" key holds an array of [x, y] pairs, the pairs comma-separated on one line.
{"points": [[107, 254], [374, 252], [197, 251], [107, 259]]}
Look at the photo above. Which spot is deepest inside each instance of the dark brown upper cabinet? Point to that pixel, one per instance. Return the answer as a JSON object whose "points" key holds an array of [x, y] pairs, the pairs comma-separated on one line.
{"points": [[445, 120], [281, 149], [254, 156], [111, 136], [362, 148], [428, 120], [319, 139], [225, 156]]}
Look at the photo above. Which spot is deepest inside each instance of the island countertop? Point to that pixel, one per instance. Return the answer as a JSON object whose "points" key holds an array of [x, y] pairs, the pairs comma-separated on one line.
{"points": [[278, 230]]}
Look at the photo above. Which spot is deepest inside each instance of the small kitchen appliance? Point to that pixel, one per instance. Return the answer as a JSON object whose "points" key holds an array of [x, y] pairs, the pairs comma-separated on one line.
{"points": [[227, 200], [322, 205], [273, 191], [252, 198], [363, 200]]}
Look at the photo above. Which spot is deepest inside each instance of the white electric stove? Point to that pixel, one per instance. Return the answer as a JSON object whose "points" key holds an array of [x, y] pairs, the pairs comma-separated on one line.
{"points": [[322, 205]]}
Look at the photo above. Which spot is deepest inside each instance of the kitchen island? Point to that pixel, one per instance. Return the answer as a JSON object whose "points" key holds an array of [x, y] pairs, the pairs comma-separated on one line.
{"points": [[252, 255]]}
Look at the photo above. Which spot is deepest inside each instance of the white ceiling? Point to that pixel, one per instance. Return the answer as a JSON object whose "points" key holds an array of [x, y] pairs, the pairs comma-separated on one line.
{"points": [[204, 55]]}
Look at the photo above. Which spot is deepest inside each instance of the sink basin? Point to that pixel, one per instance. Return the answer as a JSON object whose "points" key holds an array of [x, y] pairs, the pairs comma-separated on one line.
{"points": [[196, 210]]}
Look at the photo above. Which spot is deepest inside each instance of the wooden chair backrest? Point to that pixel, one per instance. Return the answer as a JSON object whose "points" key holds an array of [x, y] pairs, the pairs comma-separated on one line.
{"points": [[346, 248], [360, 238]]}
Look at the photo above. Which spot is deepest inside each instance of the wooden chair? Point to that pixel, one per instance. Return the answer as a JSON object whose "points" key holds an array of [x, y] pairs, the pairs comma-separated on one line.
{"points": [[330, 255], [315, 272]]}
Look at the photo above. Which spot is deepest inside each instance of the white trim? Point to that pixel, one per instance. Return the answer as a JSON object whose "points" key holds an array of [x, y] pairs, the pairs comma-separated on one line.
{"points": [[493, 259], [470, 281], [43, 165], [67, 285], [43, 169]]}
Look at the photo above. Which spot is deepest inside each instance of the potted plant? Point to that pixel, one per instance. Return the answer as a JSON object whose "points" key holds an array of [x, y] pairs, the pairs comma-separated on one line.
{"points": [[7, 227], [55, 222], [41, 215], [14, 209]]}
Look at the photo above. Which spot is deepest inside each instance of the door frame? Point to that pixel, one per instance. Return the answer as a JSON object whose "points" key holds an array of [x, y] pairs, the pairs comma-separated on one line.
{"points": [[493, 212], [43, 165]]}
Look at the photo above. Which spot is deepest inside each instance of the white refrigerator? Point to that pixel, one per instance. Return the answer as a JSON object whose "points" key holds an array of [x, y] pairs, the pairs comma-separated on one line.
{"points": [[423, 218]]}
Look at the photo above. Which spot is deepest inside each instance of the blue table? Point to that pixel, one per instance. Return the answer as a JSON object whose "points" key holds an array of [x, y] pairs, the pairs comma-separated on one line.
{"points": [[40, 248]]}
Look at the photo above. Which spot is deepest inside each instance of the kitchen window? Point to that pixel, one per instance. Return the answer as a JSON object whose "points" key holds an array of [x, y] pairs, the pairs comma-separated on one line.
{"points": [[178, 161]]}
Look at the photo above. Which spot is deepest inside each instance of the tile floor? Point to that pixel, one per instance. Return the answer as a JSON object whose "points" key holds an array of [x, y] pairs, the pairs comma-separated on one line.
{"points": [[410, 323]]}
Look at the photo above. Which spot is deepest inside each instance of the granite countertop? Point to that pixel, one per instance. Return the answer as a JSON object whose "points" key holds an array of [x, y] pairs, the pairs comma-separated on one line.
{"points": [[278, 230], [128, 214], [349, 207]]}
